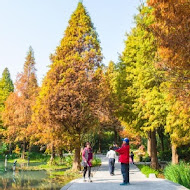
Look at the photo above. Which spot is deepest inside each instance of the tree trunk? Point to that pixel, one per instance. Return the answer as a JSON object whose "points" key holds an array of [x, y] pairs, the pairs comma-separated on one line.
{"points": [[161, 136], [23, 150], [149, 144], [52, 154], [29, 150], [76, 161], [174, 154], [10, 148], [154, 158], [99, 145], [61, 156], [115, 135]]}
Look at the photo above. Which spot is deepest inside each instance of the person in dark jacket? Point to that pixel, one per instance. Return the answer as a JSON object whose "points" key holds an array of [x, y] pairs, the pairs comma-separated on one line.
{"points": [[124, 159], [132, 157]]}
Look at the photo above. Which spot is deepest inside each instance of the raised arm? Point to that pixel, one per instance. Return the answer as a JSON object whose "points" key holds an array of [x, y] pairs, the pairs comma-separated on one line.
{"points": [[120, 150]]}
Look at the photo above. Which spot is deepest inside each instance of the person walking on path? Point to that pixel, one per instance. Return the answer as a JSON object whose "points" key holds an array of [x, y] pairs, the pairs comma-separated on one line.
{"points": [[132, 157], [87, 157], [112, 156], [124, 159]]}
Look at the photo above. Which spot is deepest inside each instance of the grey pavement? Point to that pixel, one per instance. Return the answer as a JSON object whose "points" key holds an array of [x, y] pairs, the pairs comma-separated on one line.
{"points": [[103, 181]]}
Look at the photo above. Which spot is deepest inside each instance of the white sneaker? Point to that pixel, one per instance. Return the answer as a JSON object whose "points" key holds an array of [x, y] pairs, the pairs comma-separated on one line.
{"points": [[89, 180]]}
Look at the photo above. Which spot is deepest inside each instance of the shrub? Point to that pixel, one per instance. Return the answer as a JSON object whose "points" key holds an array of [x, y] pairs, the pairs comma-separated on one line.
{"points": [[179, 173], [146, 170], [96, 162], [69, 160], [146, 158], [39, 157]]}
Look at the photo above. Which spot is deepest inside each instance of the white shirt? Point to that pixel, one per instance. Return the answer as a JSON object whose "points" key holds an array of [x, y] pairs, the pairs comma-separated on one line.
{"points": [[111, 154]]}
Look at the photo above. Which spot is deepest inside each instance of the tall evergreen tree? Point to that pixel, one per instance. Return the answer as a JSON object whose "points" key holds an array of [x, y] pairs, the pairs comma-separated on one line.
{"points": [[69, 94], [6, 87], [18, 107]]}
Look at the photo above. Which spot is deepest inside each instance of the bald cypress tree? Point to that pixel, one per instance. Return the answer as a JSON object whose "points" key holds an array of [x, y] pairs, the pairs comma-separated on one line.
{"points": [[18, 107], [69, 97]]}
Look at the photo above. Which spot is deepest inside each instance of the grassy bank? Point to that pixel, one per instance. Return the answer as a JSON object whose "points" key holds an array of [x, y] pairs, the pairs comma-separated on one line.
{"points": [[65, 176], [179, 173], [42, 162], [146, 170]]}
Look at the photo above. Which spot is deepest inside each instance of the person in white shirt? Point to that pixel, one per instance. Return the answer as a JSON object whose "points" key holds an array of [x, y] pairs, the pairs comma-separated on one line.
{"points": [[112, 156]]}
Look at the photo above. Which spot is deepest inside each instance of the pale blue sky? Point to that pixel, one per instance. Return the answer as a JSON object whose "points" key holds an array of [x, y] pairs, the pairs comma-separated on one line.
{"points": [[41, 24]]}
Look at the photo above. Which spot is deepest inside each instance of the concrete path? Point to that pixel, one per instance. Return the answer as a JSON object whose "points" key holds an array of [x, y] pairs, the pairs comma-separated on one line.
{"points": [[103, 181]]}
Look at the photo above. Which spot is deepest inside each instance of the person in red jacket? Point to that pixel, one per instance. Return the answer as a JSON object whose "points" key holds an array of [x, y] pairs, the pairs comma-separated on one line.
{"points": [[124, 159]]}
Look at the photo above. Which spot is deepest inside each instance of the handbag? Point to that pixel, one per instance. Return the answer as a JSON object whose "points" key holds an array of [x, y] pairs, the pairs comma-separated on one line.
{"points": [[84, 164]]}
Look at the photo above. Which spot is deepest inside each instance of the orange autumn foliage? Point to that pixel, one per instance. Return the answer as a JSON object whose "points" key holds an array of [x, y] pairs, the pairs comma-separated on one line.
{"points": [[171, 29]]}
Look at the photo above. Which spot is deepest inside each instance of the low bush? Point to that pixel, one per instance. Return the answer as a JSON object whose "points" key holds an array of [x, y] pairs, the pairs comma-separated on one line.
{"points": [[146, 158], [68, 160], [179, 173], [96, 162], [146, 170]]}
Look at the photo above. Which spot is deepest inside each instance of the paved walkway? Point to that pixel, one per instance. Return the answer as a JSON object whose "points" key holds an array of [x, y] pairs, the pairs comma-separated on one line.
{"points": [[103, 181]]}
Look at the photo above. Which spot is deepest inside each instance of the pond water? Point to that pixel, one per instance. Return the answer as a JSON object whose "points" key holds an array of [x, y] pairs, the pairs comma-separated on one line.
{"points": [[27, 180]]}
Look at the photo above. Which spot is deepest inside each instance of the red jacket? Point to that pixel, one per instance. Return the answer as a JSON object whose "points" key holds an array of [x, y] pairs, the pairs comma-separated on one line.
{"points": [[124, 154]]}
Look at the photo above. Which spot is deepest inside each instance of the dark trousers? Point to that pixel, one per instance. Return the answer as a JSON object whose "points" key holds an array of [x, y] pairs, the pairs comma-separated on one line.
{"points": [[125, 172], [85, 170], [111, 165], [132, 158]]}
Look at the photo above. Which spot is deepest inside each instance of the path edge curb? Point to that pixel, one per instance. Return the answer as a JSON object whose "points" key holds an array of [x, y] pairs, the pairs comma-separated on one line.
{"points": [[69, 184]]}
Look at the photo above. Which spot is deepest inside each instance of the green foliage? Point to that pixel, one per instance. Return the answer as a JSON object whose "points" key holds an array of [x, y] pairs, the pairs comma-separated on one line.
{"points": [[147, 170], [165, 155], [96, 162], [184, 153], [179, 173], [3, 148], [38, 157], [146, 158], [106, 140], [6, 87], [139, 82], [68, 160]]}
